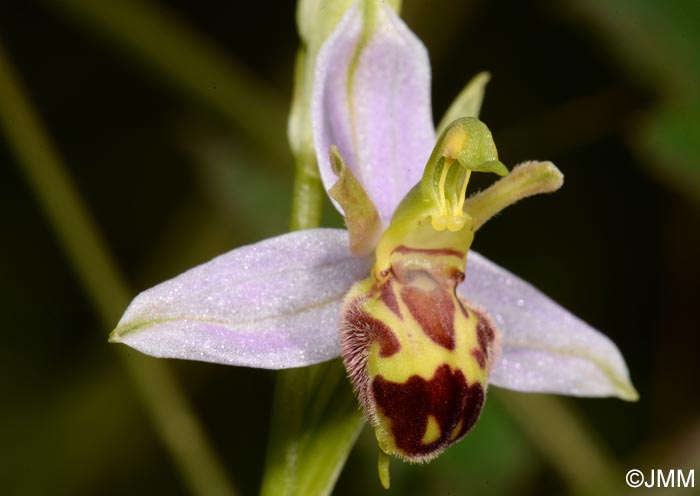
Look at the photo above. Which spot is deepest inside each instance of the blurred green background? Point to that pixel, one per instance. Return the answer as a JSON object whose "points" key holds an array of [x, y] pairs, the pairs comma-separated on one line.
{"points": [[170, 118]]}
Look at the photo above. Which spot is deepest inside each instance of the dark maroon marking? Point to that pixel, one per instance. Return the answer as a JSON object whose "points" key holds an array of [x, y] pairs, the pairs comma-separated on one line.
{"points": [[473, 404], [484, 334], [358, 331], [434, 312], [446, 396], [480, 357], [457, 276], [386, 295], [428, 251], [378, 331], [489, 330]]}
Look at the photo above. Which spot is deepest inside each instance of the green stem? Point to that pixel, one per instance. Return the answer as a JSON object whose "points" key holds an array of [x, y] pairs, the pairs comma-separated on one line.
{"points": [[315, 417], [189, 63], [315, 422], [307, 193], [88, 254]]}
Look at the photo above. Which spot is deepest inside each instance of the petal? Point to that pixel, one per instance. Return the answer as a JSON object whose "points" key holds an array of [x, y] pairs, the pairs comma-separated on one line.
{"points": [[544, 348], [371, 99], [361, 216], [273, 304], [526, 179]]}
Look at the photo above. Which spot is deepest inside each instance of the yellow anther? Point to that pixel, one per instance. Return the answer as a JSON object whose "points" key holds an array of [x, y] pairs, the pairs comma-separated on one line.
{"points": [[456, 223], [455, 141], [439, 222], [449, 213]]}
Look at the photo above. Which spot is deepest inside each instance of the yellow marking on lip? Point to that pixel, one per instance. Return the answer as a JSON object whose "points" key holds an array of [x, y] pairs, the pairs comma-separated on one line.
{"points": [[419, 355], [432, 431], [455, 431]]}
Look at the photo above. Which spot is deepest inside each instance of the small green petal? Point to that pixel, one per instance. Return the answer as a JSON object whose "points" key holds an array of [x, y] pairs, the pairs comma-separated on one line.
{"points": [[468, 102], [361, 216], [526, 179]]}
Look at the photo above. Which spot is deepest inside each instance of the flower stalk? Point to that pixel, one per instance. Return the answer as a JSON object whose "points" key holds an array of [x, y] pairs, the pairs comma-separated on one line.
{"points": [[315, 420]]}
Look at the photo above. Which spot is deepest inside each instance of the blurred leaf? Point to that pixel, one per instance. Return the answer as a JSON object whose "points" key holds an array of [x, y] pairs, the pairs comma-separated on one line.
{"points": [[467, 103], [565, 440], [91, 260], [671, 139], [660, 41], [254, 199], [495, 458], [37, 429], [657, 39], [188, 62]]}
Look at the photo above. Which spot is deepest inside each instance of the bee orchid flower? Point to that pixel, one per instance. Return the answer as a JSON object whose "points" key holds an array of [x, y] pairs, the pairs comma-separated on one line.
{"points": [[422, 323]]}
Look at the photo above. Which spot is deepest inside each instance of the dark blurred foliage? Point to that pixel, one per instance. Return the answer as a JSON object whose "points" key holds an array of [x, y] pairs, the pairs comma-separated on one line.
{"points": [[171, 183]]}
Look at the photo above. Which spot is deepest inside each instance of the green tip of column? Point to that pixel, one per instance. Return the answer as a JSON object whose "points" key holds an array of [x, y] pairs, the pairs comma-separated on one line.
{"points": [[494, 166]]}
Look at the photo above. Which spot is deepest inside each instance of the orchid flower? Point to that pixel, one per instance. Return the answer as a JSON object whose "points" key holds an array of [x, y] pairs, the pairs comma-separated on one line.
{"points": [[422, 323]]}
